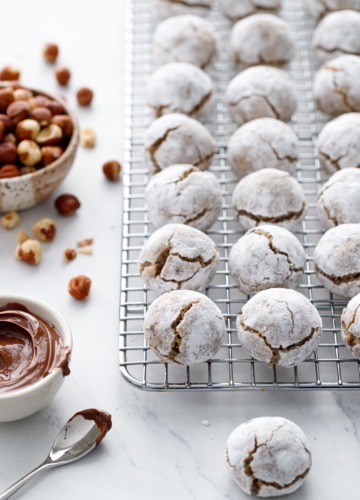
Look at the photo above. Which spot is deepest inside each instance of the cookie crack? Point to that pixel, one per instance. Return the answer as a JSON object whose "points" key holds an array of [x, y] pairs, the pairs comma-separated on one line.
{"points": [[350, 337], [202, 161], [187, 4], [201, 104], [280, 218], [339, 90], [177, 340], [333, 161], [261, 96], [186, 174], [154, 147], [203, 263], [277, 155], [329, 216], [197, 217], [338, 280]]}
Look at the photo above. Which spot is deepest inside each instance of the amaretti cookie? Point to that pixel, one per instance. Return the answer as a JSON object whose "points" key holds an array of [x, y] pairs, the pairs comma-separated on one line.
{"points": [[189, 39], [237, 9], [339, 199], [177, 257], [261, 39], [263, 143], [269, 196], [183, 194], [268, 456], [168, 8], [337, 260], [320, 8], [261, 91], [184, 327], [266, 257], [337, 34], [279, 326], [180, 88], [350, 326], [336, 88], [176, 138], [339, 143]]}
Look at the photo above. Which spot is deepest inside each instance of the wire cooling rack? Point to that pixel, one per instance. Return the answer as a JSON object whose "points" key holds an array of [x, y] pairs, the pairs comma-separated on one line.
{"points": [[331, 366]]}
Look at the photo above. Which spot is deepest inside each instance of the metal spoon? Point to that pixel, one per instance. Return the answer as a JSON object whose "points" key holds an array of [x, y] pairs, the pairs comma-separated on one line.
{"points": [[81, 434]]}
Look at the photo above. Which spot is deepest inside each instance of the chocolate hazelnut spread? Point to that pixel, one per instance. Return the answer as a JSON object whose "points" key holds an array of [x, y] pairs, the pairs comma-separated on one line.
{"points": [[30, 348], [101, 418]]}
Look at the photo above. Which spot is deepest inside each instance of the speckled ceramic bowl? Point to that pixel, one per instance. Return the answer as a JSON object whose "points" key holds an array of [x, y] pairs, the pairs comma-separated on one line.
{"points": [[18, 193]]}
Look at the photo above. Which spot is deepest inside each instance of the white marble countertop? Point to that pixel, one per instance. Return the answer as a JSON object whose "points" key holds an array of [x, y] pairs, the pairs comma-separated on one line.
{"points": [[159, 447]]}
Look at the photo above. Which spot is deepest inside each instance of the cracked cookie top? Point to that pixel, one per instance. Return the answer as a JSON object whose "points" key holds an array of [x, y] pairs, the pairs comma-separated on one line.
{"points": [[178, 257], [236, 10], [350, 326], [261, 91], [261, 39], [183, 194], [279, 326], [168, 8], [184, 327], [336, 88], [263, 143], [268, 456], [320, 8]]}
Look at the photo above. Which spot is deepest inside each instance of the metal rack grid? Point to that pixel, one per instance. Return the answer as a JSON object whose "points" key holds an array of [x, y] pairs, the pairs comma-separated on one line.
{"points": [[331, 366]]}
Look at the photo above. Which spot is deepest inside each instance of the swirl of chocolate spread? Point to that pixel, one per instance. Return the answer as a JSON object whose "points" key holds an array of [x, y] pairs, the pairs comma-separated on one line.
{"points": [[30, 348]]}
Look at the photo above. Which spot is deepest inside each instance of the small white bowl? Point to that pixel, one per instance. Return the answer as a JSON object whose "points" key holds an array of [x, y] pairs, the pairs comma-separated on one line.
{"points": [[20, 403]]}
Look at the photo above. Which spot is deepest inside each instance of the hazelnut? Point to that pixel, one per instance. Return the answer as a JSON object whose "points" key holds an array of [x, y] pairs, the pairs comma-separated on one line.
{"points": [[7, 153], [27, 129], [22, 236], [10, 137], [86, 251], [55, 107], [87, 137], [22, 94], [8, 123], [2, 129], [50, 154], [18, 110], [44, 229], [9, 73], [27, 170], [70, 254], [79, 287], [62, 75], [84, 96], [7, 171], [10, 220], [6, 98], [50, 52], [29, 251], [29, 152], [39, 101], [112, 170], [85, 243], [65, 123], [42, 115], [67, 204], [49, 135]]}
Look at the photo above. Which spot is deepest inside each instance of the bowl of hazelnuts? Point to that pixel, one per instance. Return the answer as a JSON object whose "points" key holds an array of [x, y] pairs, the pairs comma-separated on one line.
{"points": [[39, 136]]}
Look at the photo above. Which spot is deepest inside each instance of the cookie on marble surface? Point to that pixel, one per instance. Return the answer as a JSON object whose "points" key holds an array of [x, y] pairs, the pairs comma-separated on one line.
{"points": [[320, 8], [189, 39], [178, 257], [336, 88], [268, 456], [167, 8], [184, 327], [267, 257], [350, 326], [337, 260], [261, 91], [183, 194], [269, 196], [279, 326], [176, 138], [338, 200], [237, 9], [263, 143], [261, 39]]}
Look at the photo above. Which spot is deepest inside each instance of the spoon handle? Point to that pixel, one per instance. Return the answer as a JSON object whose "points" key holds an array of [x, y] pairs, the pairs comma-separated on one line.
{"points": [[16, 486]]}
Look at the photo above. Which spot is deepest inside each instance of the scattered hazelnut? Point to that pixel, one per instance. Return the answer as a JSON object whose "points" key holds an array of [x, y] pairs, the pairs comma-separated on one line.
{"points": [[84, 96], [9, 137], [67, 204], [70, 254], [29, 251], [42, 115], [18, 110], [85, 243], [87, 137], [22, 236], [7, 153], [112, 170], [10, 220], [27, 129], [85, 251], [29, 152], [44, 229], [50, 52], [22, 94], [62, 75], [65, 123], [49, 135], [6, 98], [7, 171], [79, 287], [9, 73], [50, 154]]}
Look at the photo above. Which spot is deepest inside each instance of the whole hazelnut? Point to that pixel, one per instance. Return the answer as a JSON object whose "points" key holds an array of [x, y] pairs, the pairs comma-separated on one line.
{"points": [[112, 170], [9, 137], [44, 229], [6, 98], [84, 96], [70, 254], [50, 154], [7, 153], [50, 52], [39, 101], [27, 170], [49, 135], [87, 137], [27, 129], [7, 171], [62, 75], [22, 94], [65, 123], [2, 129], [18, 110], [29, 152], [8, 123], [10, 220], [22, 236], [55, 107], [9, 73], [79, 287], [42, 115], [29, 251], [67, 204]]}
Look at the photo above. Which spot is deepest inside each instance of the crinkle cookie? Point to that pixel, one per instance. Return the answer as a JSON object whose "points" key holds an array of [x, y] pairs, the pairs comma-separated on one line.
{"points": [[263, 143], [337, 260], [266, 257], [339, 199], [177, 257], [320, 8], [350, 326], [176, 138], [261, 91], [269, 196], [180, 88], [237, 9], [184, 327], [184, 194], [279, 326], [336, 88], [339, 143], [268, 456], [337, 34], [261, 39], [188, 39], [168, 8]]}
